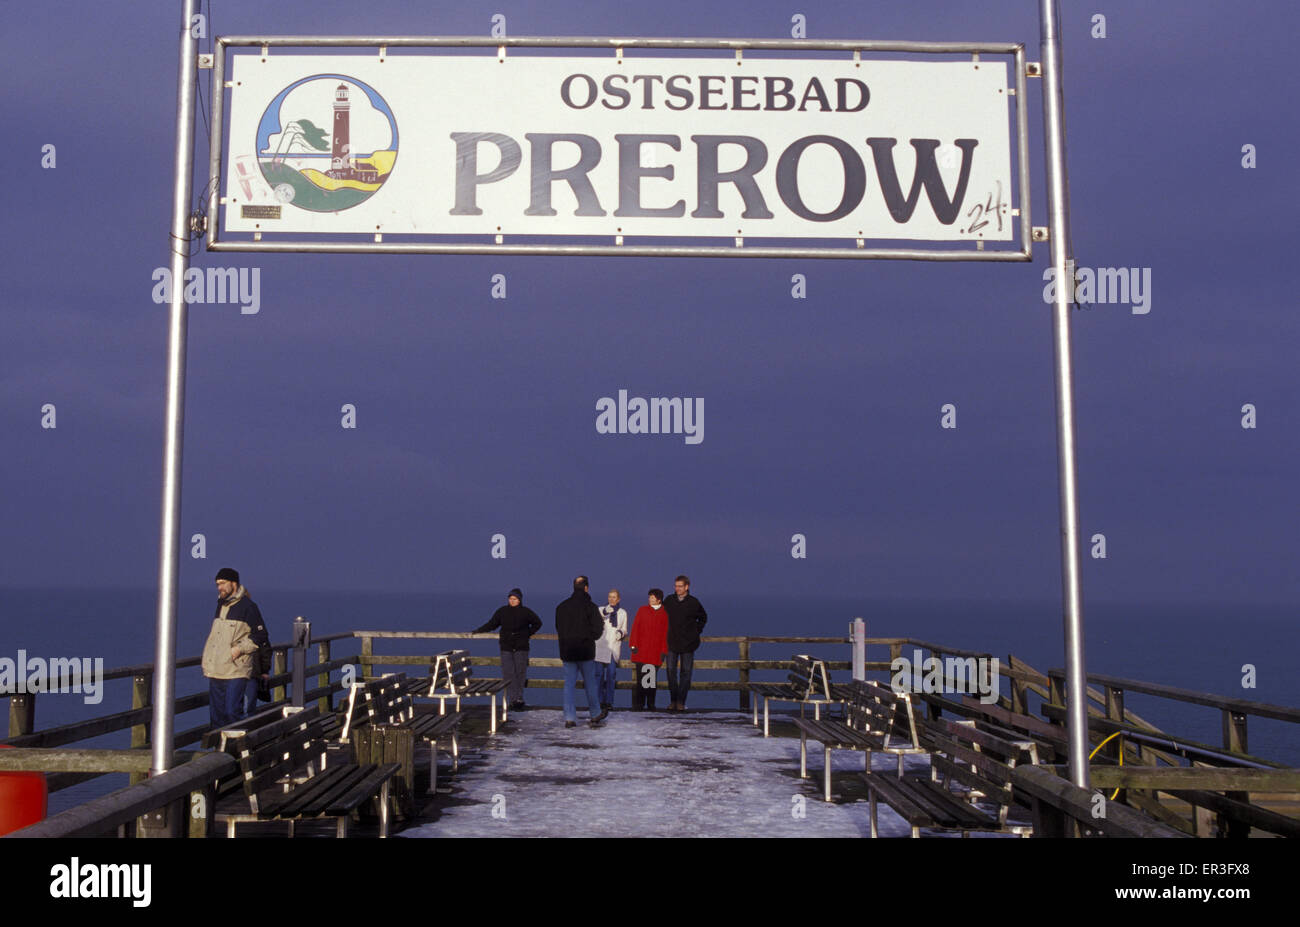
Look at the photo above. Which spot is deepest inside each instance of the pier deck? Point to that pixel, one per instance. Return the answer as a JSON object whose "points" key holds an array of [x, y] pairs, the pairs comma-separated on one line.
{"points": [[709, 773]]}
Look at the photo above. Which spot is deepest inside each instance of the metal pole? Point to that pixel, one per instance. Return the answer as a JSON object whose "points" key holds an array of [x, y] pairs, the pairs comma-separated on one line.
{"points": [[858, 633], [169, 533], [1058, 207]]}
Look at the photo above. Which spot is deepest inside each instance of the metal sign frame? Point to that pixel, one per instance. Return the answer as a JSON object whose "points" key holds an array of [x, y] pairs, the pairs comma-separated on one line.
{"points": [[1057, 234], [1020, 207]]}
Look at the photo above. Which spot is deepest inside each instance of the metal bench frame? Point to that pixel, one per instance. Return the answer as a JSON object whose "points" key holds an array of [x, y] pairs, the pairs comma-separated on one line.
{"points": [[867, 706], [445, 666], [789, 691]]}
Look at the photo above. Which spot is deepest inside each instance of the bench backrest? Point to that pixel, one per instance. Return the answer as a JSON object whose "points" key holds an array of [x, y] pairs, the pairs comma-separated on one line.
{"points": [[450, 672], [216, 739], [879, 709], [977, 758], [809, 677], [273, 753], [391, 700], [1004, 722]]}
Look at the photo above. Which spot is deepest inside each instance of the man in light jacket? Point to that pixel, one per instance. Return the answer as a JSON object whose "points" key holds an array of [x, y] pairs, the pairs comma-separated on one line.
{"points": [[609, 648], [237, 632]]}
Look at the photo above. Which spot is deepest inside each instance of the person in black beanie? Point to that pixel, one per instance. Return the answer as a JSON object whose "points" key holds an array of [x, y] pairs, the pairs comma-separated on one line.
{"points": [[229, 654], [686, 618], [518, 623]]}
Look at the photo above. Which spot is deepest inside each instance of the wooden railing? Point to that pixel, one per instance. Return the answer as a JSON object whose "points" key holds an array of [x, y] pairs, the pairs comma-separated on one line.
{"points": [[1018, 683], [742, 665], [75, 766]]}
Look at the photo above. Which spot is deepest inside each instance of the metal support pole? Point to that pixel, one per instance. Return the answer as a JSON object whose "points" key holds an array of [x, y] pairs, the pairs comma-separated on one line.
{"points": [[858, 634], [1058, 207], [169, 534]]}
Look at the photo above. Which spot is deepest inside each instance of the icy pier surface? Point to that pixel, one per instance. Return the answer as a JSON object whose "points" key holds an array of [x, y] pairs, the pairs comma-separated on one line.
{"points": [[650, 775]]}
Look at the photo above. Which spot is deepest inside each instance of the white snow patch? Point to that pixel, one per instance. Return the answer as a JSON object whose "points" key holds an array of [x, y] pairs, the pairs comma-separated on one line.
{"points": [[651, 775]]}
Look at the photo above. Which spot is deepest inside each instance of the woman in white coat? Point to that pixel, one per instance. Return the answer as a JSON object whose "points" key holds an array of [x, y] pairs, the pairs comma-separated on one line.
{"points": [[609, 648]]}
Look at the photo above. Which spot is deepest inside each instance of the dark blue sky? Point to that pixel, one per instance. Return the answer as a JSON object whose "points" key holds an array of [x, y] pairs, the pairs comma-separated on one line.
{"points": [[476, 416]]}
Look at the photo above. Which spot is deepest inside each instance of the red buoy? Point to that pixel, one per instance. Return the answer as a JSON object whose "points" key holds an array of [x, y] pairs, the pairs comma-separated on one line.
{"points": [[23, 798]]}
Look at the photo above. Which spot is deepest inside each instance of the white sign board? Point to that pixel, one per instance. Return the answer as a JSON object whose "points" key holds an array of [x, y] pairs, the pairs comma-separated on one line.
{"points": [[456, 145]]}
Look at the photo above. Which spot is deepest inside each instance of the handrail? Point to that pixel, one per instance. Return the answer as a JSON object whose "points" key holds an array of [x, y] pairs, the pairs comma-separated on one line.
{"points": [[138, 669], [102, 815], [1222, 702], [1058, 802]]}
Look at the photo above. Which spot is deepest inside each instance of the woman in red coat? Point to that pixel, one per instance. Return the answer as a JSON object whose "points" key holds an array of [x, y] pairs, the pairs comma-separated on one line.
{"points": [[649, 644]]}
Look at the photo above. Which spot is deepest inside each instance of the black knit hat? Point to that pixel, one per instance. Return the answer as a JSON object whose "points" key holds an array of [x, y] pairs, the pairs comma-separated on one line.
{"points": [[228, 573], [517, 594]]}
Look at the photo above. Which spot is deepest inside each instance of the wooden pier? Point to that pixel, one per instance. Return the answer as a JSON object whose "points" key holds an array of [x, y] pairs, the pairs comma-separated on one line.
{"points": [[1146, 781]]}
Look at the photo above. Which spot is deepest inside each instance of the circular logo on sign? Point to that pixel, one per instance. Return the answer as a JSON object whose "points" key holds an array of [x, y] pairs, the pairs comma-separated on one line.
{"points": [[326, 143]]}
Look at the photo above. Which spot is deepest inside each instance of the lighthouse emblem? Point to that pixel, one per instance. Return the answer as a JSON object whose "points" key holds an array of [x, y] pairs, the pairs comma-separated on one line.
{"points": [[323, 169]]}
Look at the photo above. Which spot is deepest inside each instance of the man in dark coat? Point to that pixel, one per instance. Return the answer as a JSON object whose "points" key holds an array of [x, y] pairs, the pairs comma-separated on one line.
{"points": [[578, 624], [518, 623], [686, 618]]}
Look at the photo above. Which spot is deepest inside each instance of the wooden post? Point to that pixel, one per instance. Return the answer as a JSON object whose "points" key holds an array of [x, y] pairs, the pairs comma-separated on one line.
{"points": [[323, 680], [200, 804], [141, 697], [744, 674], [170, 820], [1234, 731], [1019, 694], [895, 651], [1049, 821], [1054, 690], [279, 665], [367, 651], [1115, 712], [22, 713], [1204, 821], [1234, 739]]}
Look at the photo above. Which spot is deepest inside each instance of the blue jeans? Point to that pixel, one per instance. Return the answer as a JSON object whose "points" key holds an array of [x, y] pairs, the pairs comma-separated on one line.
{"points": [[226, 700], [571, 671], [607, 681], [250, 696], [679, 676]]}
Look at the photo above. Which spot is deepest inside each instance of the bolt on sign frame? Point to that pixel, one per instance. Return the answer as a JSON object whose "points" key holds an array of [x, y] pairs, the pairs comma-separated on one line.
{"points": [[1057, 233]]}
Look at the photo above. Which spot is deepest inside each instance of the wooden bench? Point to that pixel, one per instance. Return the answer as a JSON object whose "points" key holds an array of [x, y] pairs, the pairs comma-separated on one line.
{"points": [[922, 803], [992, 717], [965, 752], [961, 751], [394, 715], [876, 719], [451, 677], [286, 775], [809, 684]]}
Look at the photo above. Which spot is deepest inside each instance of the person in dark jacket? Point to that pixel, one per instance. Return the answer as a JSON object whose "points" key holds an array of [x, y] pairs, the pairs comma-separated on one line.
{"points": [[518, 623], [230, 650], [578, 625], [686, 618]]}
